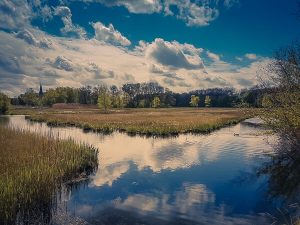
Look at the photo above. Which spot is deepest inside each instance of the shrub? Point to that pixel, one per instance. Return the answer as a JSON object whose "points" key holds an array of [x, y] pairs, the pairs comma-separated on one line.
{"points": [[4, 103]]}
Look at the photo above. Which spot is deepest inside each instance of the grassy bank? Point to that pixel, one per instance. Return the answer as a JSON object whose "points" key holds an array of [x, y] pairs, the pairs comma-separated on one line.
{"points": [[146, 121], [31, 171], [57, 108]]}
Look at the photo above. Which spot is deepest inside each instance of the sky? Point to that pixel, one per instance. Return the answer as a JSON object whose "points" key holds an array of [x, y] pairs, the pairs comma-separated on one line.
{"points": [[183, 45]]}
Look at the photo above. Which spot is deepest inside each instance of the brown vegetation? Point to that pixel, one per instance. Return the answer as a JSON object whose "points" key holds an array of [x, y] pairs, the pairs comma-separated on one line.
{"points": [[146, 121]]}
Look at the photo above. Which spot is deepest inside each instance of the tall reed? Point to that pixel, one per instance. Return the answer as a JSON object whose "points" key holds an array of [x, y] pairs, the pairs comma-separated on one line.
{"points": [[32, 169]]}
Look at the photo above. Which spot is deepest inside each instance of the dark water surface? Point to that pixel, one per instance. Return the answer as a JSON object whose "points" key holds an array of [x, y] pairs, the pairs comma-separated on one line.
{"points": [[189, 179]]}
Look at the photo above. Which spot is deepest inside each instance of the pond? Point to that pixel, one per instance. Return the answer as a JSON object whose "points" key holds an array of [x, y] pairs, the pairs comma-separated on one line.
{"points": [[188, 179]]}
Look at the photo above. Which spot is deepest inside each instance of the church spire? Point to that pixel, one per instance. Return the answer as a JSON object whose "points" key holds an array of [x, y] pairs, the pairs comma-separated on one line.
{"points": [[41, 90]]}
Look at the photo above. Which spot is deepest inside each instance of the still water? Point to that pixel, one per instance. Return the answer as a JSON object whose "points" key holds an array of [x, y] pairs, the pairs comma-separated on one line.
{"points": [[189, 179]]}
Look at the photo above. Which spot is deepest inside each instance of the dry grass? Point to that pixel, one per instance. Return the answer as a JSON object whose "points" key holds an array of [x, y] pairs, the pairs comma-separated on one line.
{"points": [[146, 121], [32, 168]]}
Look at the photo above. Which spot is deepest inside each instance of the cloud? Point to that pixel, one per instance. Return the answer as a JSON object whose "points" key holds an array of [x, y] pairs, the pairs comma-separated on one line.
{"points": [[70, 62], [213, 56], [199, 13], [109, 34], [220, 66], [134, 6], [172, 75], [12, 51], [193, 13], [20, 65], [98, 72], [155, 69], [230, 3], [169, 76], [173, 54], [69, 28], [175, 82], [75, 62], [10, 64], [128, 78], [169, 82], [63, 11], [46, 13], [17, 14], [251, 56], [216, 81], [14, 14], [63, 63], [30, 38], [238, 76], [245, 82]]}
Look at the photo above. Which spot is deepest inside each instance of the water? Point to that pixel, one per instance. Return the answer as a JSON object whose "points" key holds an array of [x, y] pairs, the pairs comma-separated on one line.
{"points": [[189, 179]]}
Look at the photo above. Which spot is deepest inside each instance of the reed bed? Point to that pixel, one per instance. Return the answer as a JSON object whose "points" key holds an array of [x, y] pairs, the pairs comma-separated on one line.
{"points": [[32, 169], [146, 121]]}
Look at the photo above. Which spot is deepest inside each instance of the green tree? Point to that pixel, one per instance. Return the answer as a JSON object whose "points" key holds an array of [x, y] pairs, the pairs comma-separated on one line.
{"points": [[156, 102], [167, 99], [105, 98], [85, 95], [50, 97], [71, 94], [4, 103], [117, 97], [30, 97], [194, 101], [119, 101], [207, 101], [142, 103], [125, 99]]}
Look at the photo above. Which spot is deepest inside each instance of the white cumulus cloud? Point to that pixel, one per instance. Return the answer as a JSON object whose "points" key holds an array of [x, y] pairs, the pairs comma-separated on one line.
{"points": [[213, 56], [69, 28], [199, 13], [109, 34], [173, 54], [251, 56], [134, 6]]}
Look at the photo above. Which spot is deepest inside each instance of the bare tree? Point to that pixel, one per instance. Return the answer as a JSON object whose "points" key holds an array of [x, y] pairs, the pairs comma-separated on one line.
{"points": [[281, 82]]}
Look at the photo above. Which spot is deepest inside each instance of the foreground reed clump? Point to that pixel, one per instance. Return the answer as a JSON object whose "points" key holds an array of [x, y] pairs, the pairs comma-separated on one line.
{"points": [[32, 169]]}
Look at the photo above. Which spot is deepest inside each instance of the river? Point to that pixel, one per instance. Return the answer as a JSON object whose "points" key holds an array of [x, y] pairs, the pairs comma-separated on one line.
{"points": [[188, 179]]}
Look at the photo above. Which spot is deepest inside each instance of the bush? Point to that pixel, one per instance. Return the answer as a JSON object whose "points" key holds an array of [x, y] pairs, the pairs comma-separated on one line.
{"points": [[4, 103]]}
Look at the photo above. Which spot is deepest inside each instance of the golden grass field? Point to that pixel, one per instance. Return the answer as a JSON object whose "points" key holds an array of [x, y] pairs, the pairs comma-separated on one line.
{"points": [[163, 121]]}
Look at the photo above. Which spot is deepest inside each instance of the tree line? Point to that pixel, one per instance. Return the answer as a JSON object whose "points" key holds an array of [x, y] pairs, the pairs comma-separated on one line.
{"points": [[141, 95]]}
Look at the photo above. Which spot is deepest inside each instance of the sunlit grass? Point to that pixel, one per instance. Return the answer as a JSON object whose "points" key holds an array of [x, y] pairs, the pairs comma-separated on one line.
{"points": [[146, 121], [32, 168]]}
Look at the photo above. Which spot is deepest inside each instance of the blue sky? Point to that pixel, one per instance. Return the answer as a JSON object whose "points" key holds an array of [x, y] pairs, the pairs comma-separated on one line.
{"points": [[183, 44]]}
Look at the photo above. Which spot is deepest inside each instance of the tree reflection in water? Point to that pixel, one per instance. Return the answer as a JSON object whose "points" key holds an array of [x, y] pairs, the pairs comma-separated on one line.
{"points": [[284, 179]]}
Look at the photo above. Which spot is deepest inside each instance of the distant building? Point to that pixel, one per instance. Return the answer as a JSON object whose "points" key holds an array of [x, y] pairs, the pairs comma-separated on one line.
{"points": [[41, 93]]}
